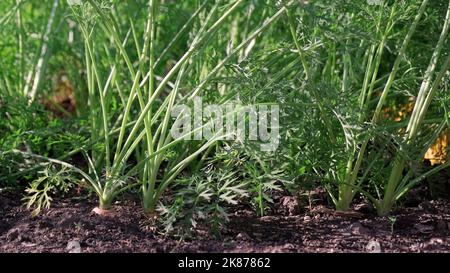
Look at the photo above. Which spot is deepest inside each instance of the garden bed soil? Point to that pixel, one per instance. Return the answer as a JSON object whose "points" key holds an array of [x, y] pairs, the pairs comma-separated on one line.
{"points": [[424, 228]]}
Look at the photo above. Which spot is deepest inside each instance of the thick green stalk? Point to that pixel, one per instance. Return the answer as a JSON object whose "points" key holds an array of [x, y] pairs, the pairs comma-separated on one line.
{"points": [[40, 65], [164, 138], [92, 98], [347, 190], [417, 112], [423, 101], [102, 104], [20, 39], [111, 28], [391, 191]]}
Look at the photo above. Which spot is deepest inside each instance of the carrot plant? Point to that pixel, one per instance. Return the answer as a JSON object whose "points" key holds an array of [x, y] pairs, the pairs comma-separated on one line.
{"points": [[349, 187], [351, 86], [144, 117], [398, 183], [341, 118]]}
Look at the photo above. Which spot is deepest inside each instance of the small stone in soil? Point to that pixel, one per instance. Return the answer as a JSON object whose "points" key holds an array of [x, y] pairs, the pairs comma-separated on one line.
{"points": [[288, 247], [242, 237], [373, 247], [74, 247], [29, 244], [435, 241]]}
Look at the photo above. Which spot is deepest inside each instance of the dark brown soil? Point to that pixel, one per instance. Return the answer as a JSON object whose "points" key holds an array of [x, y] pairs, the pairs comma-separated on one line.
{"points": [[425, 228]]}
